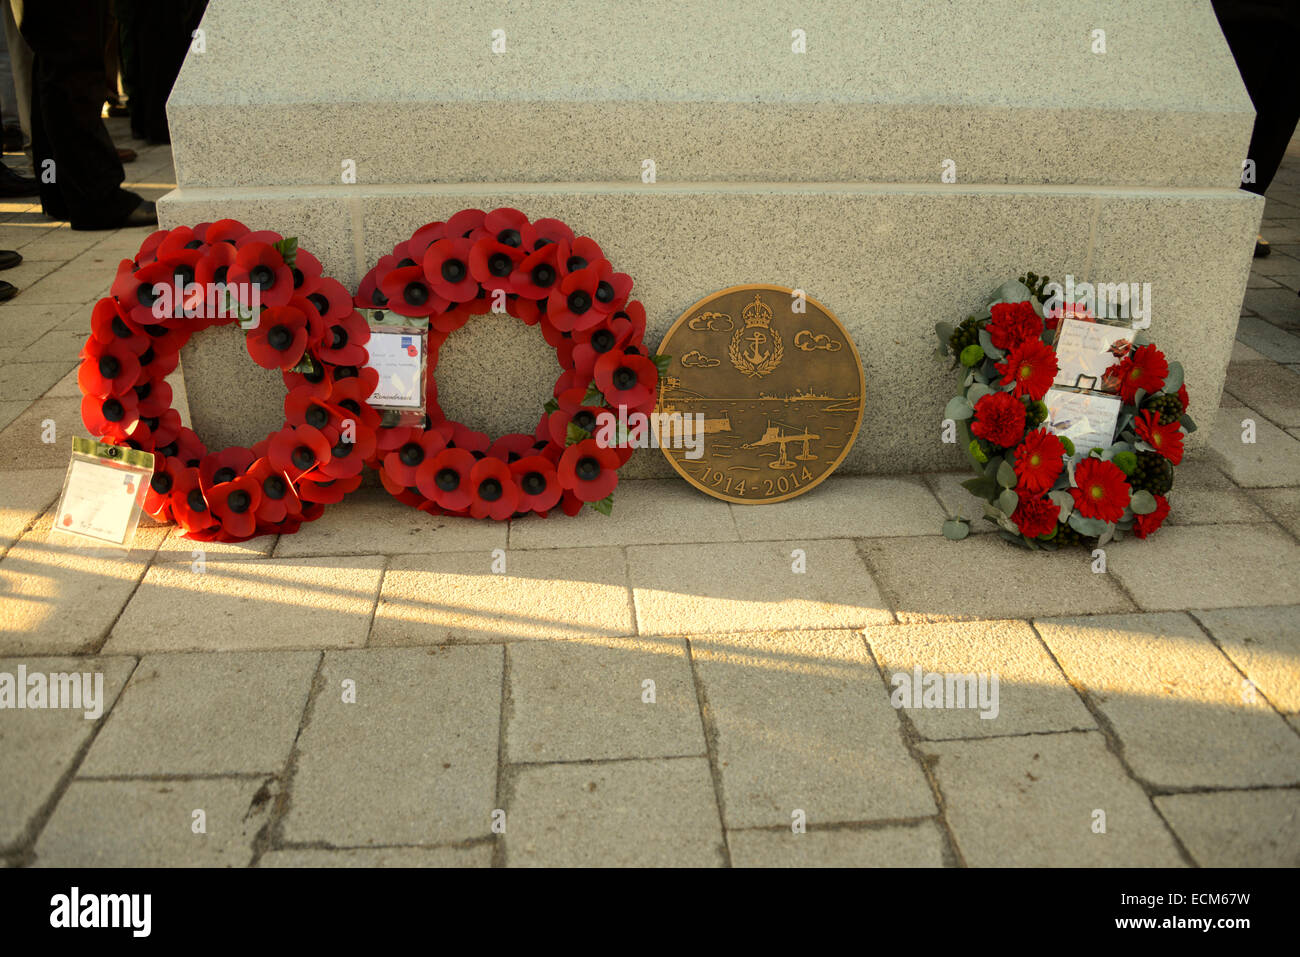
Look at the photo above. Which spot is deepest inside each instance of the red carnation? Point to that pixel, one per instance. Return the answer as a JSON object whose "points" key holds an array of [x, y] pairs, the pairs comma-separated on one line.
{"points": [[1030, 367], [1000, 418], [1143, 368], [1013, 323], [1102, 490], [1165, 439], [1039, 461], [1182, 396], [1035, 516], [1144, 525]]}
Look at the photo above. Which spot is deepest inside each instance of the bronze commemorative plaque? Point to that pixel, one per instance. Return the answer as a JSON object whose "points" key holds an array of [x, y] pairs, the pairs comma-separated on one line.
{"points": [[770, 391]]}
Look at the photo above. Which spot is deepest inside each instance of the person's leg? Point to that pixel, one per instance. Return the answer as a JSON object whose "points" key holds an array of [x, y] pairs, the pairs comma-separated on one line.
{"points": [[20, 59]]}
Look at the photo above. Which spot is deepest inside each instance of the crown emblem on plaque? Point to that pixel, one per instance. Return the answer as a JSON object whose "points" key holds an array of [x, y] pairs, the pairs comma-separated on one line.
{"points": [[756, 347]]}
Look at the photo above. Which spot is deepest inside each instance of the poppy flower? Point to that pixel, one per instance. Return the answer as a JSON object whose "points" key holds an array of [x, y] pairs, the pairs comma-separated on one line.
{"points": [[228, 231], [159, 361], [423, 238], [446, 479], [224, 466], [267, 236], [369, 295], [589, 470], [1035, 516], [145, 292], [463, 437], [109, 323], [344, 342], [259, 276], [277, 499], [612, 288], [307, 275], [319, 381], [538, 482], [465, 224], [403, 463], [148, 251], [999, 418], [551, 231], [153, 397], [1013, 323], [574, 255], [570, 504], [234, 504], [1165, 439], [610, 335], [189, 507], [446, 268], [512, 447], [493, 493], [409, 293], [164, 428], [1029, 368], [1143, 368], [510, 227], [572, 303], [280, 338], [571, 410], [1144, 525], [627, 380], [116, 416], [327, 491], [352, 395], [329, 300], [1101, 490], [303, 408], [297, 450], [492, 264], [110, 368], [407, 495], [349, 454]]}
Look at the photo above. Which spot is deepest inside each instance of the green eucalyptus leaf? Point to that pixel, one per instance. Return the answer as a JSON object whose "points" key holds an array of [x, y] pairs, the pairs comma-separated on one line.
{"points": [[1092, 527], [1013, 290], [1006, 475], [990, 351], [1065, 501], [1186, 422], [1174, 379], [982, 487], [956, 529], [1008, 500], [976, 392], [944, 331], [958, 408], [1142, 503]]}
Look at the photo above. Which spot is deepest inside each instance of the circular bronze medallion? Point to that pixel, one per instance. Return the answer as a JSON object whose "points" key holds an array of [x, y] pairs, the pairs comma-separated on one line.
{"points": [[769, 390]]}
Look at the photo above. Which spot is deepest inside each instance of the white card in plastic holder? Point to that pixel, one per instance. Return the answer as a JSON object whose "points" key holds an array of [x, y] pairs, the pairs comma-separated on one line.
{"points": [[398, 357], [103, 492]]}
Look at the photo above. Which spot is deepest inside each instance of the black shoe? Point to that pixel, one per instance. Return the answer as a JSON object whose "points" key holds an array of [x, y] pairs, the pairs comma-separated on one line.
{"points": [[11, 184], [1261, 247], [118, 110], [7, 291], [144, 213], [13, 139], [9, 259]]}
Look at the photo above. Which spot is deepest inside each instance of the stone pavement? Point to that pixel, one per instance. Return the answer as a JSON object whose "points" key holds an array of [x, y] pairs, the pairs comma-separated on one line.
{"points": [[661, 687]]}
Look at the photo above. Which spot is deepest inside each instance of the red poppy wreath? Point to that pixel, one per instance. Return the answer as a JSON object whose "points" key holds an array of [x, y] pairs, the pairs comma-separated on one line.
{"points": [[542, 274], [295, 319]]}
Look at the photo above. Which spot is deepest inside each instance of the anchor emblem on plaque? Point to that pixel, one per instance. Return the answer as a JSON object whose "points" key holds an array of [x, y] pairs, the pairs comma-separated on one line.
{"points": [[756, 347]]}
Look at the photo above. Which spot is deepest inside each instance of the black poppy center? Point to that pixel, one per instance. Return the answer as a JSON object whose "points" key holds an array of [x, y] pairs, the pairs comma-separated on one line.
{"points": [[220, 273], [195, 501], [453, 270], [275, 487], [584, 420], [223, 475], [579, 302], [303, 457], [412, 453], [510, 237], [262, 276], [351, 405], [184, 274], [447, 479], [157, 331], [142, 391], [499, 264], [317, 416], [147, 356], [379, 298], [161, 483], [489, 490], [574, 263], [194, 244], [408, 261], [109, 367], [603, 340], [624, 378], [345, 372], [121, 329], [298, 278], [320, 302], [534, 483], [238, 501], [169, 450], [587, 469], [415, 294], [279, 338], [114, 411], [342, 450], [316, 374], [145, 295], [604, 292], [543, 274]]}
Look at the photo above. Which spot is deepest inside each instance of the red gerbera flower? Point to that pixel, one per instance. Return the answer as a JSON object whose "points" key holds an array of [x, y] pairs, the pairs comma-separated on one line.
{"points": [[1143, 368], [1035, 516], [1013, 323], [492, 488], [445, 479], [279, 339], [627, 380], [1165, 439], [259, 272], [1144, 525], [1030, 367], [1039, 461], [1101, 490], [589, 470], [1000, 418], [539, 485]]}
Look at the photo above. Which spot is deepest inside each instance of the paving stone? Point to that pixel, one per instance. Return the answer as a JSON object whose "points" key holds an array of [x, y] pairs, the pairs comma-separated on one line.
{"points": [[21, 442], [920, 845], [372, 522], [1206, 566], [562, 593], [1283, 504], [1206, 506], [412, 761], [205, 714], [1032, 694], [23, 497], [480, 855], [251, 605], [177, 548], [61, 598], [683, 589], [1267, 339], [70, 282], [10, 411], [38, 747], [1244, 353], [150, 824], [65, 388], [1261, 282], [584, 700], [1031, 802], [26, 381], [801, 720], [846, 507], [1265, 644], [934, 579], [1200, 470], [1273, 459], [21, 324], [1184, 714], [60, 244], [59, 348], [1271, 389], [1276, 304], [1237, 828], [656, 813], [646, 512]]}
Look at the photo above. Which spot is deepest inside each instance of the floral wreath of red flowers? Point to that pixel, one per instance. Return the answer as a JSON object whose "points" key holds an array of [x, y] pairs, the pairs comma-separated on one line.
{"points": [[541, 273], [1035, 487], [295, 320]]}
